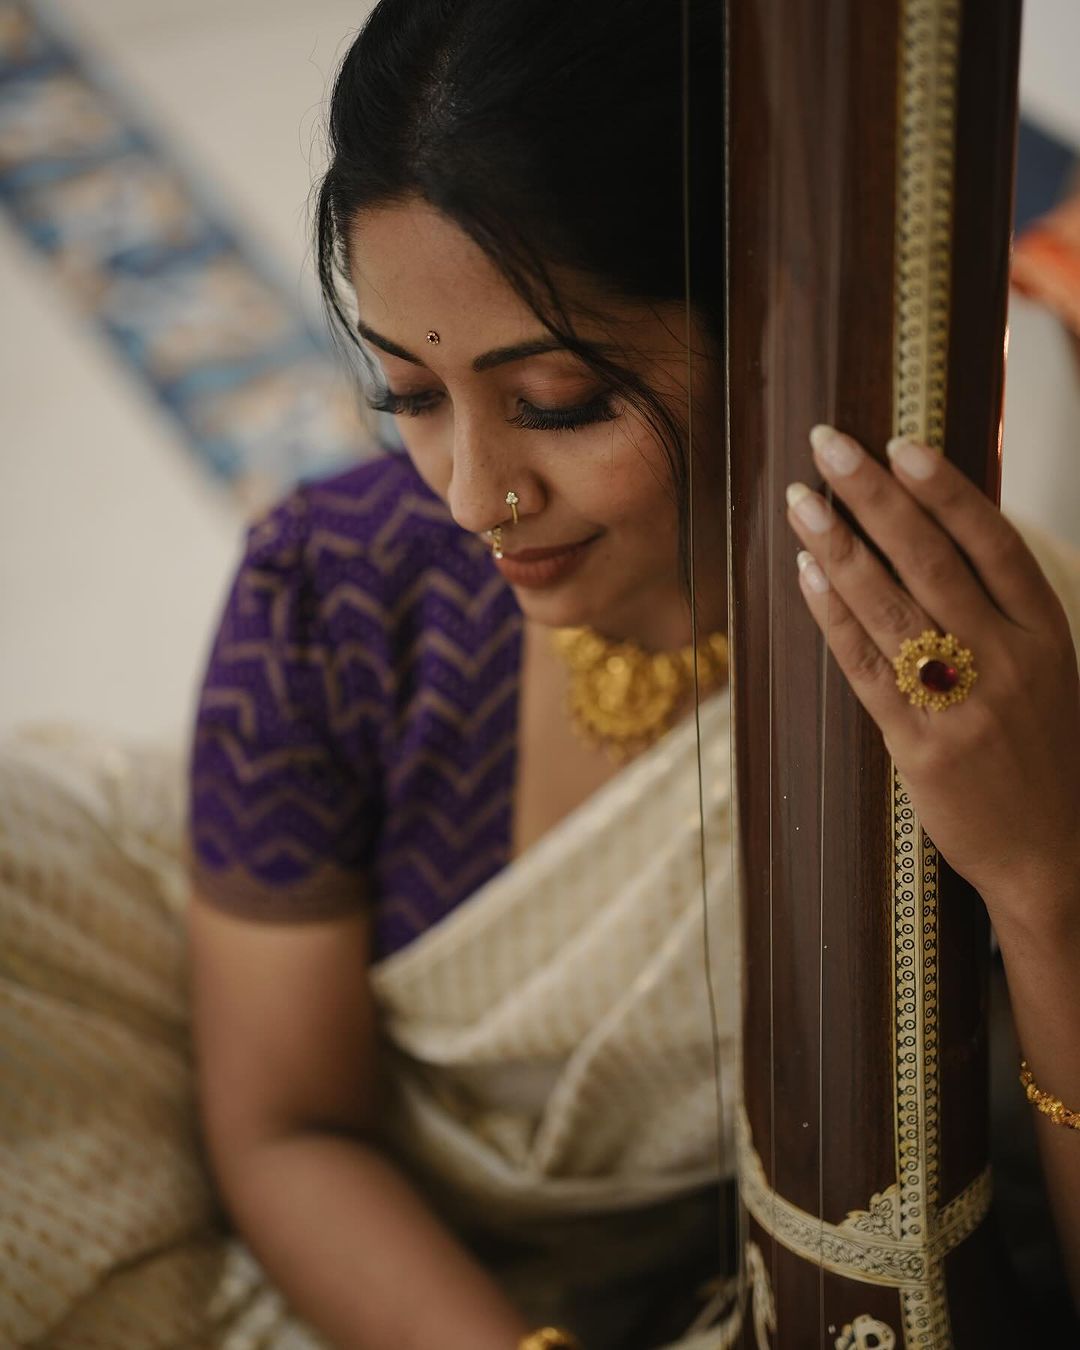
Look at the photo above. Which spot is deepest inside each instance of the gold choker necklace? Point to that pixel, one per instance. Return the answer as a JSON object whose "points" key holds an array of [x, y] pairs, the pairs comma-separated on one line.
{"points": [[625, 698]]}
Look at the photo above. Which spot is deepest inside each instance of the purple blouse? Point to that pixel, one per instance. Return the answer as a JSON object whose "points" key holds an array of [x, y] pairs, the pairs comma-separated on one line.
{"points": [[355, 740]]}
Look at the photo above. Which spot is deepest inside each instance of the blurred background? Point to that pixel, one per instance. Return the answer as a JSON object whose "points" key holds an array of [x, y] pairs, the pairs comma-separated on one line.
{"points": [[164, 370]]}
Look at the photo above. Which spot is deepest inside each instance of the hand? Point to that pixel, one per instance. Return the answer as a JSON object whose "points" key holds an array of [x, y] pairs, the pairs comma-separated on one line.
{"points": [[995, 779]]}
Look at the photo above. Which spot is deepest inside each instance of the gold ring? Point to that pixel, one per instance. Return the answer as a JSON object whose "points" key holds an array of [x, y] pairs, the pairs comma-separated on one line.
{"points": [[549, 1338], [512, 500], [934, 670]]}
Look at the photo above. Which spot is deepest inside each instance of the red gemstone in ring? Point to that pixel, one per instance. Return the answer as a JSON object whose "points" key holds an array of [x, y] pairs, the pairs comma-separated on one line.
{"points": [[937, 676], [934, 670]]}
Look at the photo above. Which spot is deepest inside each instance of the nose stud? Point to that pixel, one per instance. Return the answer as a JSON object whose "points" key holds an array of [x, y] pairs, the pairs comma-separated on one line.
{"points": [[512, 500]]}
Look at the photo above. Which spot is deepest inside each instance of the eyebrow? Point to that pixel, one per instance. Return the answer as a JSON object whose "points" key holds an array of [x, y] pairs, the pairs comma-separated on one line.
{"points": [[500, 356]]}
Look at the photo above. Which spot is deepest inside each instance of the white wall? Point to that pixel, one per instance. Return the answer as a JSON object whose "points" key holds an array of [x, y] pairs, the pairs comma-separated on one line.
{"points": [[1049, 66], [114, 546], [1041, 478]]}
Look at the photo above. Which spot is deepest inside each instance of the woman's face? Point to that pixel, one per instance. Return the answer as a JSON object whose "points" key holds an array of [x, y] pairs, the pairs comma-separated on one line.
{"points": [[492, 407]]}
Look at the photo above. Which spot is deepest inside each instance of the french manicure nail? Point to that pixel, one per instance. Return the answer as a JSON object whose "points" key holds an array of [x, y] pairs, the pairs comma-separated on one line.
{"points": [[813, 575], [836, 451], [809, 507], [912, 458]]}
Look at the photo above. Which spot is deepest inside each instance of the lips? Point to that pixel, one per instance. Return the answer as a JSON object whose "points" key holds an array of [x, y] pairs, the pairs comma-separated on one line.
{"points": [[528, 555], [538, 567]]}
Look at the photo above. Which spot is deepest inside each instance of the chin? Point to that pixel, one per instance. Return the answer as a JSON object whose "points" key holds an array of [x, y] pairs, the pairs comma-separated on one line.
{"points": [[560, 607]]}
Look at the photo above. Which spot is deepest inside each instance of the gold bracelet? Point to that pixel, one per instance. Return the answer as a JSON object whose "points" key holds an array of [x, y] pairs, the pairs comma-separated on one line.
{"points": [[1053, 1107], [549, 1338]]}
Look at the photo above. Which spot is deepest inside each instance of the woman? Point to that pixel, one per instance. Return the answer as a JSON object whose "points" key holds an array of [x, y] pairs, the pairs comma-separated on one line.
{"points": [[391, 666], [382, 745], [456, 1064]]}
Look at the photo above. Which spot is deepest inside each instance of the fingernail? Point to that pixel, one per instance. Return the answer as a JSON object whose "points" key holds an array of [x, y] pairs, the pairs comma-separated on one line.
{"points": [[811, 573], [809, 507], [836, 451], [912, 458]]}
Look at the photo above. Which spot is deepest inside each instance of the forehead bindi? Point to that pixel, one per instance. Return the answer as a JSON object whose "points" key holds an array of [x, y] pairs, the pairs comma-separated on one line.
{"points": [[424, 285], [416, 272], [531, 349]]}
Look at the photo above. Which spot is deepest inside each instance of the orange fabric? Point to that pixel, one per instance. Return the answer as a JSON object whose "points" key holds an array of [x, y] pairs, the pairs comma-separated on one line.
{"points": [[1046, 262]]}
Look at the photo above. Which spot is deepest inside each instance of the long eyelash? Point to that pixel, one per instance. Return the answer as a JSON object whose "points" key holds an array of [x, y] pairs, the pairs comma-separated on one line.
{"points": [[402, 405], [530, 418], [598, 409]]}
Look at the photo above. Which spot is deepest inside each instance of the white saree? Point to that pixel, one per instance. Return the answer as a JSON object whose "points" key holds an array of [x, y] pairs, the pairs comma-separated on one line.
{"points": [[555, 1060], [551, 1040]]}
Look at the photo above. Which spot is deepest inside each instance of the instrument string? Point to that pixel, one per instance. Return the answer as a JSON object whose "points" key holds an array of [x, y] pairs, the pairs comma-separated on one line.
{"points": [[723, 1252], [824, 683], [742, 1219], [775, 359], [835, 85]]}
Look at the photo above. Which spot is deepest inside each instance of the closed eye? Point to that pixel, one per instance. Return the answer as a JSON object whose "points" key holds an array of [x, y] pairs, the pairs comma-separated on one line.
{"points": [[529, 417], [598, 409], [404, 405]]}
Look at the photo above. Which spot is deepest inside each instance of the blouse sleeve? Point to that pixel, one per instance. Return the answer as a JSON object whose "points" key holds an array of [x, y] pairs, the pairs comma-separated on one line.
{"points": [[281, 823]]}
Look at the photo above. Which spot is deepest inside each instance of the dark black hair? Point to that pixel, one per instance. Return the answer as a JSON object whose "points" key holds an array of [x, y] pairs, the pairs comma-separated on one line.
{"points": [[553, 132]]}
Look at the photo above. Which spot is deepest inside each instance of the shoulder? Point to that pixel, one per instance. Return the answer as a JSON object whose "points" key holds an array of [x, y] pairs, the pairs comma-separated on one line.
{"points": [[375, 505], [376, 524], [366, 572], [338, 565], [385, 559]]}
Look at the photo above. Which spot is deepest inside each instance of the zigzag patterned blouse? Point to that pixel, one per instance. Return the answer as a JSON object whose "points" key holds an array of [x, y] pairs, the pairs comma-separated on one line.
{"points": [[355, 740]]}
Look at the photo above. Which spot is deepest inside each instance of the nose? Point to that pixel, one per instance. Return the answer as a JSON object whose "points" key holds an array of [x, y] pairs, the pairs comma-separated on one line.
{"points": [[482, 476]]}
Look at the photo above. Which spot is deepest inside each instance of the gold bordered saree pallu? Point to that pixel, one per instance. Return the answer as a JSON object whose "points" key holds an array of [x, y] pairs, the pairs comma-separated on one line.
{"points": [[871, 152]]}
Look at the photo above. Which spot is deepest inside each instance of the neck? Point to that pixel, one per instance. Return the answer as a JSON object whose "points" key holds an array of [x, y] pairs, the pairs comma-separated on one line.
{"points": [[661, 620]]}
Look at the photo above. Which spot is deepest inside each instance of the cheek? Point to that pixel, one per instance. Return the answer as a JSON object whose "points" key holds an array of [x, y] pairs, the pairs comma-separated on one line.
{"points": [[637, 495]]}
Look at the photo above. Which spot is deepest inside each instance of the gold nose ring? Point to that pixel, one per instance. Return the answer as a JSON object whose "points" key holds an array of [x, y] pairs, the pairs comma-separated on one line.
{"points": [[512, 500]]}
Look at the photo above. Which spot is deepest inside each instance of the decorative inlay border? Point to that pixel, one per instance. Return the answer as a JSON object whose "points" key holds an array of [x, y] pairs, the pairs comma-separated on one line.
{"points": [[856, 1336], [926, 87], [875, 1245]]}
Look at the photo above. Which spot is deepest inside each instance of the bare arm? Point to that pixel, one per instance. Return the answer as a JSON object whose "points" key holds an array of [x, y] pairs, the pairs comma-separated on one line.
{"points": [[285, 1038], [1044, 973]]}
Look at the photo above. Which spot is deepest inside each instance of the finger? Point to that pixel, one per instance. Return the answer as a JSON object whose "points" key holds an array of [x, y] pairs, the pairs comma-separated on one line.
{"points": [[884, 609], [859, 657], [931, 567], [1002, 559]]}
